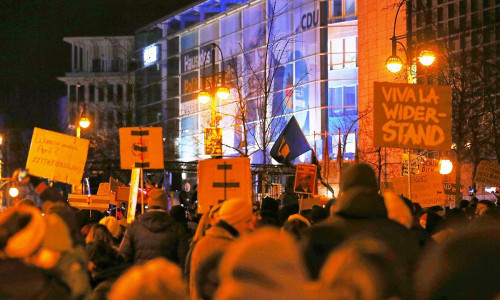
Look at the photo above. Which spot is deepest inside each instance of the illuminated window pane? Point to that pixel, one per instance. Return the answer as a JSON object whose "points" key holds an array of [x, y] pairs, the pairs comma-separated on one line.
{"points": [[350, 7]]}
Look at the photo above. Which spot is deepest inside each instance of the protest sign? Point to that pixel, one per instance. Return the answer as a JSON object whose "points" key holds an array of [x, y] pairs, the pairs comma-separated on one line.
{"points": [[419, 164], [222, 179], [57, 156], [426, 188], [305, 179], [141, 147], [412, 116], [488, 174]]}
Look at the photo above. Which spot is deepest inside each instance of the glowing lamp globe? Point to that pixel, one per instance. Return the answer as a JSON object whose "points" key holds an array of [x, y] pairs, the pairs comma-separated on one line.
{"points": [[14, 192], [445, 166], [203, 97], [394, 64], [426, 57], [223, 93], [84, 122]]}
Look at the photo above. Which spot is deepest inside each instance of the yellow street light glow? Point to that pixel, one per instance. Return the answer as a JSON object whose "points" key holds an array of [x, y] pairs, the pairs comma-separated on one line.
{"points": [[1, 139], [204, 97], [84, 122], [223, 93], [14, 192], [445, 166], [426, 57], [394, 64]]}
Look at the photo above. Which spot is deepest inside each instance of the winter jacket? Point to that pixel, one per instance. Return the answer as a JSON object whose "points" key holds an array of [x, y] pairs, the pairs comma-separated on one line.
{"points": [[21, 281], [216, 239], [104, 280], [155, 234], [361, 211]]}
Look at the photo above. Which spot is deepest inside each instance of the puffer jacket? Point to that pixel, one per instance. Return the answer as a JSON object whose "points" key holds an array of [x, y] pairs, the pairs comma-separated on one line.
{"points": [[155, 234]]}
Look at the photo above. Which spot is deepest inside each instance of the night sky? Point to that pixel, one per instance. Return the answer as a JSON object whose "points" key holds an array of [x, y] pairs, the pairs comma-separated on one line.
{"points": [[33, 54]]}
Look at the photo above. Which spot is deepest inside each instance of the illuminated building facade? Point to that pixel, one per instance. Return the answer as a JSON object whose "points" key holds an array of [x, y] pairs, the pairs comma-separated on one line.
{"points": [[281, 58]]}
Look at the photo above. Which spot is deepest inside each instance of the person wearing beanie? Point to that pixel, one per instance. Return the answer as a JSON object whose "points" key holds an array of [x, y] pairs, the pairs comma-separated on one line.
{"points": [[114, 228], [155, 234], [360, 209], [235, 220], [295, 226], [23, 236]]}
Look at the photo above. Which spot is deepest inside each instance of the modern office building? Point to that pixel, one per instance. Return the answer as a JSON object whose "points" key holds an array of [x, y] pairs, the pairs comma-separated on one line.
{"points": [[280, 58]]}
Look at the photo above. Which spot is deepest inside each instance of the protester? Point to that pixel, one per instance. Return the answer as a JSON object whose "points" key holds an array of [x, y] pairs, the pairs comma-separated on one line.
{"points": [[235, 217], [105, 267], [99, 232], [361, 210], [156, 279], [296, 225], [155, 234], [114, 228], [268, 214], [265, 265], [483, 206], [318, 214]]}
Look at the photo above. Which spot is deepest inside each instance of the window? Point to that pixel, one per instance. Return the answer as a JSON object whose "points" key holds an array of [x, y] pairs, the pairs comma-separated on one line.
{"points": [[342, 9], [81, 92], [100, 93], [91, 93], [96, 65], [343, 100], [130, 92], [110, 93], [343, 53], [119, 92], [72, 93]]}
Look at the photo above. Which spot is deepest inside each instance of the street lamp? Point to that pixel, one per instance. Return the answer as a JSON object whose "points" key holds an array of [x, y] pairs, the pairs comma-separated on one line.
{"points": [[83, 122], [445, 166], [394, 64], [213, 134]]}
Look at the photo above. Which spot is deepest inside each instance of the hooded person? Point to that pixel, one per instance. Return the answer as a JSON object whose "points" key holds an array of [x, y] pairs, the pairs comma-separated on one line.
{"points": [[363, 268], [361, 210], [22, 233], [156, 279], [235, 217], [265, 265], [155, 234], [114, 228]]}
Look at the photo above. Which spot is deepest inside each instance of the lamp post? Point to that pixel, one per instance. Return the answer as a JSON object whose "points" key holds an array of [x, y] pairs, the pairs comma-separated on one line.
{"points": [[213, 134], [394, 64]]}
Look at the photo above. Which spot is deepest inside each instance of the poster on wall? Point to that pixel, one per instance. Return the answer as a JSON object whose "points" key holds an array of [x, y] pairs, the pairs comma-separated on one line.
{"points": [[413, 116]]}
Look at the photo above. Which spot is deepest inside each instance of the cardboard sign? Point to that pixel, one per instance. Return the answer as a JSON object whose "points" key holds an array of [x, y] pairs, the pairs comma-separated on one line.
{"points": [[305, 179], [141, 147], [419, 164], [488, 174], [132, 202], [213, 141], [426, 188], [57, 156], [222, 179], [412, 116]]}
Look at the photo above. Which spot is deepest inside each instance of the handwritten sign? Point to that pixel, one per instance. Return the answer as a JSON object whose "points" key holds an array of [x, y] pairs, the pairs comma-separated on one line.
{"points": [[412, 116], [141, 147], [419, 164], [426, 188], [57, 156], [222, 179], [488, 174], [305, 179]]}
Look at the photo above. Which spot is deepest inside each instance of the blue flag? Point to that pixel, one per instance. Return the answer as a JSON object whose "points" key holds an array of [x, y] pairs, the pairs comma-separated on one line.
{"points": [[290, 144]]}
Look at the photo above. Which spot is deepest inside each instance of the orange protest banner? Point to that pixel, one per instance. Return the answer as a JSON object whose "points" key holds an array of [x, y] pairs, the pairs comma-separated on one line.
{"points": [[413, 116], [57, 157], [488, 174], [222, 179], [141, 147], [426, 188]]}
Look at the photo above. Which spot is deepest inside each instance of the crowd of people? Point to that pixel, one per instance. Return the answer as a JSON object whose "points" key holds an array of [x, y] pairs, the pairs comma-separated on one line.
{"points": [[361, 245]]}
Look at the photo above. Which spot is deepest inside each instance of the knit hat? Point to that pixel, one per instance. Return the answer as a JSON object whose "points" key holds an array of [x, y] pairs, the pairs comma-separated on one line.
{"points": [[300, 218], [27, 240], [236, 210], [158, 198], [57, 237], [112, 224], [359, 175]]}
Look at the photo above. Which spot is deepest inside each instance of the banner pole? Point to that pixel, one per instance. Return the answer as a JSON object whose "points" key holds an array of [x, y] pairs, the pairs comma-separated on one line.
{"points": [[409, 175], [142, 190]]}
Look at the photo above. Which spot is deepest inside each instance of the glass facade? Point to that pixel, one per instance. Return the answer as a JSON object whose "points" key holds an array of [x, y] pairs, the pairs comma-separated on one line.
{"points": [[281, 58]]}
